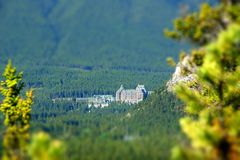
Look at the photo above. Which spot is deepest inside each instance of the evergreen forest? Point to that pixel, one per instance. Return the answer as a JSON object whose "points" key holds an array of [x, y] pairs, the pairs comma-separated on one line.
{"points": [[53, 49]]}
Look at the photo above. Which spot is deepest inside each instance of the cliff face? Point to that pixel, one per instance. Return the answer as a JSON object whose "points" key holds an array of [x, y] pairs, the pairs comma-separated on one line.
{"points": [[184, 73]]}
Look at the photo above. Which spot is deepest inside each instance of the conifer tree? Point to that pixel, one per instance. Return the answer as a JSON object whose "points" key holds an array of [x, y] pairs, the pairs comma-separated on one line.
{"points": [[17, 143], [213, 121], [16, 111]]}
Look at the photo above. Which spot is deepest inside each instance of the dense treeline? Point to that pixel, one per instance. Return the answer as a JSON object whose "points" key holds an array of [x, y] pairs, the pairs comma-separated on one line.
{"points": [[74, 82], [67, 55], [119, 131]]}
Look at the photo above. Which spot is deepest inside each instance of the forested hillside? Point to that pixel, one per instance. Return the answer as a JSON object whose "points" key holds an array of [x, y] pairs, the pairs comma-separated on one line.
{"points": [[81, 48], [144, 131], [115, 34]]}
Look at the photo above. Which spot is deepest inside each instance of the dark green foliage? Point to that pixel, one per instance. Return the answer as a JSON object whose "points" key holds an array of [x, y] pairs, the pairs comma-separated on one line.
{"points": [[89, 33], [145, 131], [81, 48], [77, 82]]}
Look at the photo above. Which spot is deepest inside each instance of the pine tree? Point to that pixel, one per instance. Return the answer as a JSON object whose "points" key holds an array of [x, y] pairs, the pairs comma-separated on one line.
{"points": [[16, 111], [213, 121]]}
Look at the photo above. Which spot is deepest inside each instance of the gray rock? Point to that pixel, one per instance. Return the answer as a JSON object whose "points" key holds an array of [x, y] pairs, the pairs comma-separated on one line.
{"points": [[185, 72]]}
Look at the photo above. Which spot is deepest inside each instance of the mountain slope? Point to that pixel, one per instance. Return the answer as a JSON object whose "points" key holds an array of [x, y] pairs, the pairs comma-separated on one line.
{"points": [[81, 32]]}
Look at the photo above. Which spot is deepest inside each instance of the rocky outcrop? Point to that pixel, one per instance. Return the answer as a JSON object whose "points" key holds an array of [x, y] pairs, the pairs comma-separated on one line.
{"points": [[184, 73]]}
